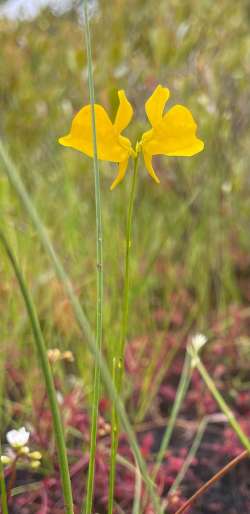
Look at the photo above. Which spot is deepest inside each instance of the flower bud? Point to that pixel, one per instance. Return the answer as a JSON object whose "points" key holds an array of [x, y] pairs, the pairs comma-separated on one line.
{"points": [[35, 464], [5, 460], [35, 455], [68, 356], [24, 450]]}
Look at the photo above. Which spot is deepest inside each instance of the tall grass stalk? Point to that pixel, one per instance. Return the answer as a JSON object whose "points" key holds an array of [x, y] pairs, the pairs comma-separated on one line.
{"points": [[118, 358], [190, 456], [213, 418], [80, 315], [180, 395], [137, 492], [222, 404], [99, 270], [48, 378]]}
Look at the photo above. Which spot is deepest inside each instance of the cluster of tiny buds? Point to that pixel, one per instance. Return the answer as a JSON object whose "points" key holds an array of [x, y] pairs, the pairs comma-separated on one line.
{"points": [[19, 451], [103, 427], [55, 355]]}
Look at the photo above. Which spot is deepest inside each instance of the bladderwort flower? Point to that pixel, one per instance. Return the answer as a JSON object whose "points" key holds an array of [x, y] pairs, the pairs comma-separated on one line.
{"points": [[172, 133], [111, 145]]}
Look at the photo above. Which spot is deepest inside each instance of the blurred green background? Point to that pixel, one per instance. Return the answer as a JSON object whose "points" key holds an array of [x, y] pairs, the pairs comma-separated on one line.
{"points": [[191, 233]]}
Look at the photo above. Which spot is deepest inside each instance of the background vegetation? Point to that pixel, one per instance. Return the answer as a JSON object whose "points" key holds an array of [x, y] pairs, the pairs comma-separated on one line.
{"points": [[190, 268]]}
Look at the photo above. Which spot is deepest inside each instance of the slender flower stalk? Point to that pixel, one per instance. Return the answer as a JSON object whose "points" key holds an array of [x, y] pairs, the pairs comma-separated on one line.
{"points": [[42, 354], [99, 269], [127, 261], [118, 359]]}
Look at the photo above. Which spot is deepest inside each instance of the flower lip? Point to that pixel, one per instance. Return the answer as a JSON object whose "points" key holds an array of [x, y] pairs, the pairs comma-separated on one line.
{"points": [[18, 438], [111, 144], [172, 134]]}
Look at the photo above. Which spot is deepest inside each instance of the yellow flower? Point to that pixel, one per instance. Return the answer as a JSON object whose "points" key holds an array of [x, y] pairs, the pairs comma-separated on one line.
{"points": [[111, 145], [172, 134]]}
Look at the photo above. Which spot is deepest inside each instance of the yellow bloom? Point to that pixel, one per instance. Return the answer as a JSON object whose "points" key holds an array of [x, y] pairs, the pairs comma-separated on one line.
{"points": [[111, 145], [172, 134]]}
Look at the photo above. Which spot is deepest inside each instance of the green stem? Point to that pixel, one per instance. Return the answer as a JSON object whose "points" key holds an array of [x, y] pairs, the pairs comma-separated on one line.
{"points": [[222, 404], [180, 395], [3, 490], [190, 456], [114, 445], [121, 347], [118, 359], [42, 354], [99, 281], [4, 503], [82, 320], [137, 492]]}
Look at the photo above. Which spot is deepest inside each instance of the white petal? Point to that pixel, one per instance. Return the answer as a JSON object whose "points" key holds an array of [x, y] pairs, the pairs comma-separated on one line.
{"points": [[18, 438]]}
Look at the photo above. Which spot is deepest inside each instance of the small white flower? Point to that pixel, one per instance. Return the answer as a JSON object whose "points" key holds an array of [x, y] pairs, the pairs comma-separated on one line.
{"points": [[18, 438], [198, 341]]}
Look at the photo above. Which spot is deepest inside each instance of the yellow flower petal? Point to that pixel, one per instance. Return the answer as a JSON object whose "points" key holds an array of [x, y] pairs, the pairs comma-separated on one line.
{"points": [[80, 136], [179, 133], [121, 174], [156, 103], [124, 112], [172, 134], [111, 145], [149, 167]]}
